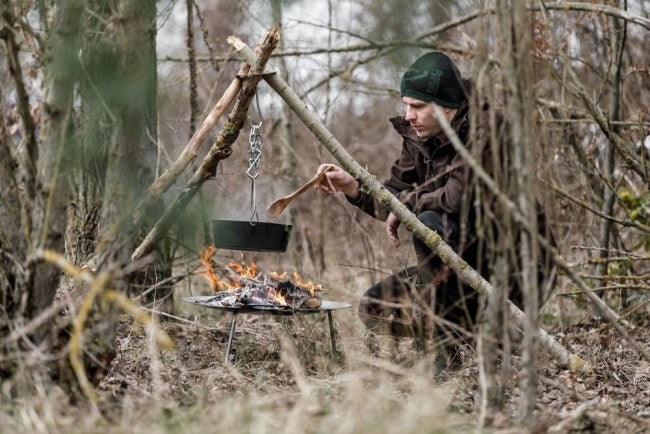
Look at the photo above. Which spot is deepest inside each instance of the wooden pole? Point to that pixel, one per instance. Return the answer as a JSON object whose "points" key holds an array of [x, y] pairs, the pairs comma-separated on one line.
{"points": [[220, 150]]}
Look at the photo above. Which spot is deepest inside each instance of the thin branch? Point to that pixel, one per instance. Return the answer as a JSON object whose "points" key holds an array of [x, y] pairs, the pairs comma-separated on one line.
{"points": [[599, 8], [625, 149], [638, 287], [417, 41], [194, 104], [615, 277], [585, 205], [206, 38]]}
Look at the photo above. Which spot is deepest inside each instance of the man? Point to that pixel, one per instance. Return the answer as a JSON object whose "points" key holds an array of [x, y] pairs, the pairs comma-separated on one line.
{"points": [[434, 183]]}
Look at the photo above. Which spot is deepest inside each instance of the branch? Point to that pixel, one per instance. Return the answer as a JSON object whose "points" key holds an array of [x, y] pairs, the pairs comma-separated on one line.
{"points": [[625, 149], [220, 150], [161, 184], [600, 8], [410, 221], [164, 181], [97, 287], [585, 205], [416, 41]]}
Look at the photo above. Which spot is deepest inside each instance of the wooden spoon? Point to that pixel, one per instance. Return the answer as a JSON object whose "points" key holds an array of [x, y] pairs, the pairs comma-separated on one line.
{"points": [[276, 208]]}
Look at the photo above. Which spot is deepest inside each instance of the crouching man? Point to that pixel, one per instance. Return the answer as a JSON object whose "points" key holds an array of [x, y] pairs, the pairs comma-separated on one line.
{"points": [[436, 184]]}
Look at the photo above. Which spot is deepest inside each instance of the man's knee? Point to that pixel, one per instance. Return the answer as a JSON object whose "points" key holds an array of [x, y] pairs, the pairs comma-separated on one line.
{"points": [[443, 224], [433, 220]]}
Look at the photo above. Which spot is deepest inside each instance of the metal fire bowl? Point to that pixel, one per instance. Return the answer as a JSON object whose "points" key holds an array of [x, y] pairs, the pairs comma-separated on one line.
{"points": [[326, 305]]}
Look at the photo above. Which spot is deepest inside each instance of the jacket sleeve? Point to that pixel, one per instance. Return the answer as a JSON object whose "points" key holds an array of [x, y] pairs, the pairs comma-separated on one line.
{"points": [[403, 178]]}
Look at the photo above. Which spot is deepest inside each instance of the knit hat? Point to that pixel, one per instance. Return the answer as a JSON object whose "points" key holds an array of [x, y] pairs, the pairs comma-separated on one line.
{"points": [[433, 78]]}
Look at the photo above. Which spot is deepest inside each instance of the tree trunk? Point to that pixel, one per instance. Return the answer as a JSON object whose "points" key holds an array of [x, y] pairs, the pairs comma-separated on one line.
{"points": [[287, 152], [56, 146], [617, 40], [516, 30], [117, 153], [12, 243]]}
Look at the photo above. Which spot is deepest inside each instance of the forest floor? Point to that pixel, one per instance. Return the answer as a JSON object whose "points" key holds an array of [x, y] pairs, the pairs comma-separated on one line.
{"points": [[282, 377]]}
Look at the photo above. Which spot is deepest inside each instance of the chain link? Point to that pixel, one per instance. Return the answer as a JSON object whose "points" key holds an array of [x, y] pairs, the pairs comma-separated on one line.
{"points": [[254, 160]]}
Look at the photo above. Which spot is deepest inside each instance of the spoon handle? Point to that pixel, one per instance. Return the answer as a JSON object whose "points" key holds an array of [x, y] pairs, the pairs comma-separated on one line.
{"points": [[279, 205], [315, 180]]}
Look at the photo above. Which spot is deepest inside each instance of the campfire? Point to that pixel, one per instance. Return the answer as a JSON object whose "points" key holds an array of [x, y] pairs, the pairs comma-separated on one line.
{"points": [[245, 286]]}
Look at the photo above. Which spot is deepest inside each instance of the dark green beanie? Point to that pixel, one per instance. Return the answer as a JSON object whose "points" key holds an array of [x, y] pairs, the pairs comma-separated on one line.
{"points": [[433, 78]]}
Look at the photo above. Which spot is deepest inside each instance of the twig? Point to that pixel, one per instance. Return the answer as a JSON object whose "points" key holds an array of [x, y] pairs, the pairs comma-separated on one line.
{"points": [[97, 287], [599, 213], [599, 8], [206, 38], [614, 277], [77, 329], [618, 252], [373, 45], [191, 54]]}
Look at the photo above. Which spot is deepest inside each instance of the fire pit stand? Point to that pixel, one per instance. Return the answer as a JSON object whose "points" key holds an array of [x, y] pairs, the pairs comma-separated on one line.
{"points": [[327, 306]]}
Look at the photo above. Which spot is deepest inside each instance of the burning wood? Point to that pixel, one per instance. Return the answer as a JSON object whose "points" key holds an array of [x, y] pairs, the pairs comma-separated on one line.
{"points": [[246, 287]]}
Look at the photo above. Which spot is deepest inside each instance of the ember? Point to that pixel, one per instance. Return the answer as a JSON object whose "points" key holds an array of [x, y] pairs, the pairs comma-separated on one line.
{"points": [[246, 287]]}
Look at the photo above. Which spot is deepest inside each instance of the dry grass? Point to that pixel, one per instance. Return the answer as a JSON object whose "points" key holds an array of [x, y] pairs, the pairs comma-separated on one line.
{"points": [[283, 379]]}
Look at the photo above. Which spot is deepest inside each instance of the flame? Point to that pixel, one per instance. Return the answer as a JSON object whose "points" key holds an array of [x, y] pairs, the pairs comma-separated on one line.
{"points": [[207, 271], [243, 271], [277, 276], [277, 297], [307, 285], [248, 272]]}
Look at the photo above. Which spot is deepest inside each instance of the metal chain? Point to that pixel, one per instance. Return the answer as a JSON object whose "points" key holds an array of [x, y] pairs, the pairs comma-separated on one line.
{"points": [[254, 159]]}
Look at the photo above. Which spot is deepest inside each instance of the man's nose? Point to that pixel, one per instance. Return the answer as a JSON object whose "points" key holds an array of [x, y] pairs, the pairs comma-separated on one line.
{"points": [[410, 114]]}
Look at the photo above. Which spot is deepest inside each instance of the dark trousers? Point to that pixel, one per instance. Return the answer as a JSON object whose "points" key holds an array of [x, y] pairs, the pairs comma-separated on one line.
{"points": [[421, 300]]}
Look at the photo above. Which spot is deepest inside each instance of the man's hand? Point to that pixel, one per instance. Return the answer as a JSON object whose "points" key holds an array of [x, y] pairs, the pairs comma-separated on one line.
{"points": [[392, 224], [337, 179]]}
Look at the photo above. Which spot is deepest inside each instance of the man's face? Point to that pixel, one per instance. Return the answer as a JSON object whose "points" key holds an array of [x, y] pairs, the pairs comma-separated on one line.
{"points": [[420, 115]]}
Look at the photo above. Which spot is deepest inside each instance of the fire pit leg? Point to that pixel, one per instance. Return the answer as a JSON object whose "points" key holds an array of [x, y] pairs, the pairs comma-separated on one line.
{"points": [[332, 334], [233, 322]]}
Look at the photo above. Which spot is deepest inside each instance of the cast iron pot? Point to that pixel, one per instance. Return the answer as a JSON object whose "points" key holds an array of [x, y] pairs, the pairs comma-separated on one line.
{"points": [[258, 236]]}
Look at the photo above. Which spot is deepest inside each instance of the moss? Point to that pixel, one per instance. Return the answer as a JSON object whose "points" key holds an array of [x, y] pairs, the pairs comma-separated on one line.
{"points": [[578, 364]]}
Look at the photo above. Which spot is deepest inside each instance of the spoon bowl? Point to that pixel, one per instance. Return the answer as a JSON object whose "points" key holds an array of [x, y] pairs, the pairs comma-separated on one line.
{"points": [[276, 208]]}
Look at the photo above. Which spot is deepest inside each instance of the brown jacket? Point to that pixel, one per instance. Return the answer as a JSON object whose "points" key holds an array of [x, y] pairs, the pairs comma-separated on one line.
{"points": [[428, 175]]}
